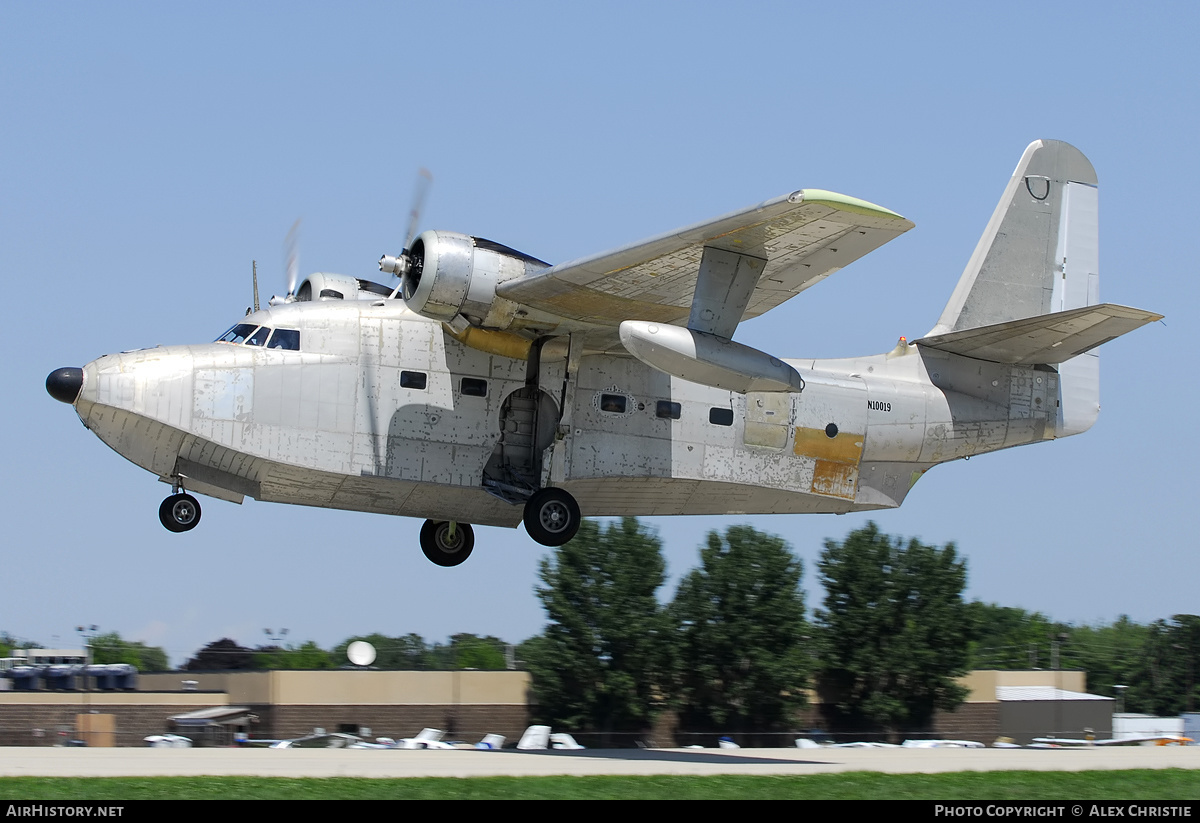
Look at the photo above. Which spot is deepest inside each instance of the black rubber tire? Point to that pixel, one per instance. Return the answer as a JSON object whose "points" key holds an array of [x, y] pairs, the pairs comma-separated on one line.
{"points": [[179, 513], [552, 517], [437, 546]]}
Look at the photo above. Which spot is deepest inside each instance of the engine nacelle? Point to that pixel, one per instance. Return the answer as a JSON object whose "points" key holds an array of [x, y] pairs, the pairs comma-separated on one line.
{"points": [[326, 286], [452, 274]]}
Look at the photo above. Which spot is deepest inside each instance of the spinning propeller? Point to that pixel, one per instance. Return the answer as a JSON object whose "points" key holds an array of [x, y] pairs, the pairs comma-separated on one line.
{"points": [[406, 262], [291, 255]]}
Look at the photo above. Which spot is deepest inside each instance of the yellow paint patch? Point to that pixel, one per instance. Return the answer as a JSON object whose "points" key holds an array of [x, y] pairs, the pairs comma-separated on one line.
{"points": [[846, 447], [835, 472], [835, 479]]}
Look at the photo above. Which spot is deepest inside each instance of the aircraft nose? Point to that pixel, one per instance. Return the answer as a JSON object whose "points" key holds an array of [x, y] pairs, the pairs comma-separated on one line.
{"points": [[64, 385]]}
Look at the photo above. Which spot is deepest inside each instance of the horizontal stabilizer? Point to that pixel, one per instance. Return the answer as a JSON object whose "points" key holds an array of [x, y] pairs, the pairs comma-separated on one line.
{"points": [[1046, 338]]}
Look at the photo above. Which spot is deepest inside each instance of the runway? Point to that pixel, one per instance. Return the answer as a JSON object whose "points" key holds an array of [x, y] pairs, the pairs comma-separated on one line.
{"points": [[71, 762]]}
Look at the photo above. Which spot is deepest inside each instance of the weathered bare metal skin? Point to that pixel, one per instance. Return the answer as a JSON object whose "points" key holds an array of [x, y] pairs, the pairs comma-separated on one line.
{"points": [[463, 410]]}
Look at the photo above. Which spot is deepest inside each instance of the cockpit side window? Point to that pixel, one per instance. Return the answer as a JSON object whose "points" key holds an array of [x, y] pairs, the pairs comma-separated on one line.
{"points": [[237, 334], [285, 339]]}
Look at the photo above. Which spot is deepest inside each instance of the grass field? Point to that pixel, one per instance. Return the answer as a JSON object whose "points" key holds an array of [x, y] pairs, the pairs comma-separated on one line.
{"points": [[1145, 784]]}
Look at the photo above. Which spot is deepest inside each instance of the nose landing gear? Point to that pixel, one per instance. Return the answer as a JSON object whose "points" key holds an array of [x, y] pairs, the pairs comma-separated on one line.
{"points": [[447, 543]]}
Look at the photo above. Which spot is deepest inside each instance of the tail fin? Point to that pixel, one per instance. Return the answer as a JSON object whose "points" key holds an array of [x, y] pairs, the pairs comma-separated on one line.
{"points": [[1038, 256], [1039, 252]]}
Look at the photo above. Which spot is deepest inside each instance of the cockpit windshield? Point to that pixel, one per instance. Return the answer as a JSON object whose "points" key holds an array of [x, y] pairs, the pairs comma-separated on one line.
{"points": [[247, 334], [237, 334]]}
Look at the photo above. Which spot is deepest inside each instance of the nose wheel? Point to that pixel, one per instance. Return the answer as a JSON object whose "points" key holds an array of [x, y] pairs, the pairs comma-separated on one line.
{"points": [[551, 517], [179, 513], [447, 543]]}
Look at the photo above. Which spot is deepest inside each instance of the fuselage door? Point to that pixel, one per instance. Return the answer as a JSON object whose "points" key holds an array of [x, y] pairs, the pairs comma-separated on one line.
{"points": [[768, 419]]}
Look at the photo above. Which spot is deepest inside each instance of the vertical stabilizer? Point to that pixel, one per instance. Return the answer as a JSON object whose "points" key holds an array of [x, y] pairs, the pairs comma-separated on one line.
{"points": [[1049, 208], [1038, 255]]}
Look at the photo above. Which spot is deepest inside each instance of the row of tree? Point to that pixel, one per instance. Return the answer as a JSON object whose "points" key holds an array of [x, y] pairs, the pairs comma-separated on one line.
{"points": [[409, 652], [736, 649]]}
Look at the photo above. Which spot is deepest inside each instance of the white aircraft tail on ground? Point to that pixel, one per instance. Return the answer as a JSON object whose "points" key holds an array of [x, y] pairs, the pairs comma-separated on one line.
{"points": [[537, 738]]}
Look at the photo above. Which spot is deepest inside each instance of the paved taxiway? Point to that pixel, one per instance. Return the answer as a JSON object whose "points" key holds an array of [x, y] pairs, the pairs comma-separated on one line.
{"points": [[65, 762]]}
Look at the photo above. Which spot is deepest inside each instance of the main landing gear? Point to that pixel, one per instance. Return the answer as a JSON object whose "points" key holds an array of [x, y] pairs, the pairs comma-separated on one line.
{"points": [[180, 512], [551, 517], [447, 543]]}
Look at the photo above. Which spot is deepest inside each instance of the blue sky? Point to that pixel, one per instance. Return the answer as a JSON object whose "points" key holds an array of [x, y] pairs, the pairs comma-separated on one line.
{"points": [[149, 152]]}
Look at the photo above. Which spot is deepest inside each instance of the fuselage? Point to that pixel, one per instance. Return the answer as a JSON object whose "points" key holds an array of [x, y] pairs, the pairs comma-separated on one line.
{"points": [[379, 409]]}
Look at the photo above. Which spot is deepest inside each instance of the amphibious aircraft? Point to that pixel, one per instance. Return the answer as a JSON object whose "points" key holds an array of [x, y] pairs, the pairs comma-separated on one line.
{"points": [[491, 387]]}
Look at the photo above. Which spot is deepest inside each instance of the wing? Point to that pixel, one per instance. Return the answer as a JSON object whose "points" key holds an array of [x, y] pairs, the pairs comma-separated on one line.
{"points": [[771, 252]]}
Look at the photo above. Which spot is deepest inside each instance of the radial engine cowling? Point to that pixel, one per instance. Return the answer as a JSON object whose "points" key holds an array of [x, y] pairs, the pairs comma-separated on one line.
{"points": [[452, 274], [327, 286]]}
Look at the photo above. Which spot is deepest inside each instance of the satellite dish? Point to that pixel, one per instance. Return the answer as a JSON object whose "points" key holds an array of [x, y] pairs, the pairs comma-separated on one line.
{"points": [[361, 653]]}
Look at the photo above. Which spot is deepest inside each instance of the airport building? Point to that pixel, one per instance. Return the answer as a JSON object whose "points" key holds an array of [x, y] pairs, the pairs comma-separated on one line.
{"points": [[216, 708]]}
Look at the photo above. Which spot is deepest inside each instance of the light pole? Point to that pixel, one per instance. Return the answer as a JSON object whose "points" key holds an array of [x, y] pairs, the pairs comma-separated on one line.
{"points": [[276, 638], [86, 633]]}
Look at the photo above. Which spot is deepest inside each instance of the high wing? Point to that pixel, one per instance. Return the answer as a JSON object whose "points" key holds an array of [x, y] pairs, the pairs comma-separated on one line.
{"points": [[746, 263]]}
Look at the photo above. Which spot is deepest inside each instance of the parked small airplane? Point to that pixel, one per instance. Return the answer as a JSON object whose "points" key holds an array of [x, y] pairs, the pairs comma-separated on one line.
{"points": [[1146, 740], [490, 387]]}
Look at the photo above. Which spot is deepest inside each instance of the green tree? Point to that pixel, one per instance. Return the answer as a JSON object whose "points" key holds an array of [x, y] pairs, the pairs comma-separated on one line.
{"points": [[1006, 637], [598, 664], [1110, 655], [307, 656], [1169, 670], [8, 643], [895, 630], [221, 655], [741, 647], [111, 648], [470, 651]]}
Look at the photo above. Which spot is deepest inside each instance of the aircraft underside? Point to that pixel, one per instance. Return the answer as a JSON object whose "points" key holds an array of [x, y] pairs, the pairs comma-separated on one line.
{"points": [[214, 470]]}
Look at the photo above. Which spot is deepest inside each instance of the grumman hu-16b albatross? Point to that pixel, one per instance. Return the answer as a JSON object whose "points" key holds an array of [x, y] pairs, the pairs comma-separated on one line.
{"points": [[490, 387]]}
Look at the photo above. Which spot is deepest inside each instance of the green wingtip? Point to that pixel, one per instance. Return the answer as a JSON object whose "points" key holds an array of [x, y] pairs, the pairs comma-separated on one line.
{"points": [[843, 202]]}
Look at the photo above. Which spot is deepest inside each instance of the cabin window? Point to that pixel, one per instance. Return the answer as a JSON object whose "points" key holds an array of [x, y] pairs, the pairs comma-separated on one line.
{"points": [[667, 409], [238, 333], [412, 379], [614, 403], [720, 417], [285, 339], [473, 387]]}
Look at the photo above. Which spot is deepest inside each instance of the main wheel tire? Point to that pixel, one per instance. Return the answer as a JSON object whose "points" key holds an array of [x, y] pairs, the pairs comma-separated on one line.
{"points": [[552, 517], [441, 548], [179, 513]]}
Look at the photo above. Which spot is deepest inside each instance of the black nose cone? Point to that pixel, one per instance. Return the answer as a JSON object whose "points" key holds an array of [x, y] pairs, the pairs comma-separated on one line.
{"points": [[64, 384]]}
